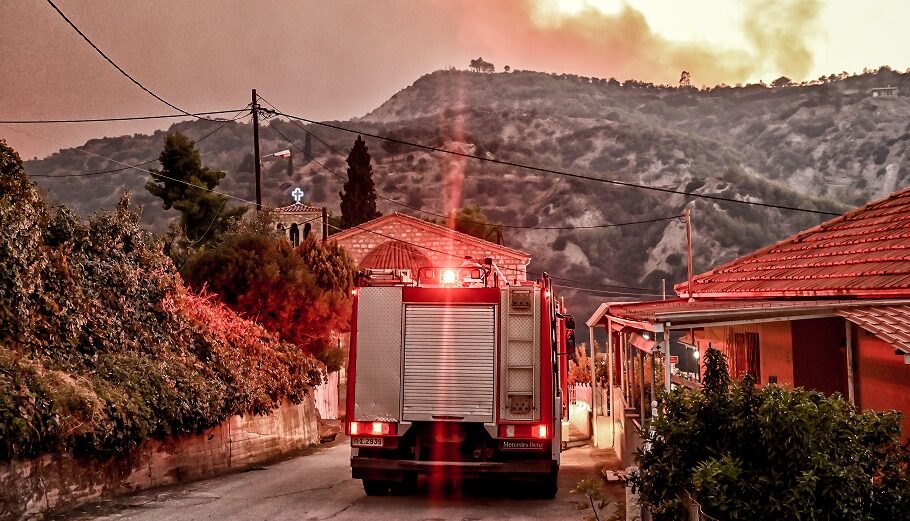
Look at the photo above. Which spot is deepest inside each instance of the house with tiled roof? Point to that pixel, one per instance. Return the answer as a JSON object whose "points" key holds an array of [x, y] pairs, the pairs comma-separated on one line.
{"points": [[826, 309], [400, 241]]}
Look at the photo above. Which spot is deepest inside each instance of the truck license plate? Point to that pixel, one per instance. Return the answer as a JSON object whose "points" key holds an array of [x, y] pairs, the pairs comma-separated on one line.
{"points": [[367, 442]]}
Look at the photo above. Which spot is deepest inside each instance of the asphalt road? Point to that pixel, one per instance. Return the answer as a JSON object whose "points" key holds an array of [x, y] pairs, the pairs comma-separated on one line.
{"points": [[318, 486]]}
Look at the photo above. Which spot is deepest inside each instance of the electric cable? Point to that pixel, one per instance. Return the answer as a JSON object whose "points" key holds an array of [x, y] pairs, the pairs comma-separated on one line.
{"points": [[253, 203], [120, 118], [438, 215], [554, 171], [443, 216], [502, 268], [120, 69], [237, 117]]}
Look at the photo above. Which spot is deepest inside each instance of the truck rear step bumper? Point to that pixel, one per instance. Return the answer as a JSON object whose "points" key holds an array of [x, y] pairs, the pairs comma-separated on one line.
{"points": [[394, 470]]}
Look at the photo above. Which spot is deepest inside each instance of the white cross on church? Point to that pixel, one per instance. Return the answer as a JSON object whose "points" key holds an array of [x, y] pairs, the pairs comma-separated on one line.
{"points": [[297, 194]]}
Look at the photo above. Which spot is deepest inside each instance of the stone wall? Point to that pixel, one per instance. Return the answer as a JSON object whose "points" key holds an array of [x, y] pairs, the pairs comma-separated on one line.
{"points": [[59, 482], [434, 244]]}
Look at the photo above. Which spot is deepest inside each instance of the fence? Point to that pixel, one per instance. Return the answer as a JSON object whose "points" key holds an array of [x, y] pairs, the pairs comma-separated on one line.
{"points": [[326, 396], [580, 393]]}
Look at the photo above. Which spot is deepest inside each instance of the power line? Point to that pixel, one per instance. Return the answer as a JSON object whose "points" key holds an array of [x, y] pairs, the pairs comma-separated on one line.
{"points": [[128, 166], [359, 227], [90, 174], [272, 126], [120, 118], [240, 115], [554, 171], [444, 216], [506, 268], [109, 60]]}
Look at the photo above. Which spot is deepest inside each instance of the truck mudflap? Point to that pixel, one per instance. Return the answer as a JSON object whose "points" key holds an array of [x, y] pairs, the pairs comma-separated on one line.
{"points": [[396, 469]]}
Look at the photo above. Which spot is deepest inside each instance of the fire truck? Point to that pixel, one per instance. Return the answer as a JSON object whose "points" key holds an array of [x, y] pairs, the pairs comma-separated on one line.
{"points": [[456, 373]]}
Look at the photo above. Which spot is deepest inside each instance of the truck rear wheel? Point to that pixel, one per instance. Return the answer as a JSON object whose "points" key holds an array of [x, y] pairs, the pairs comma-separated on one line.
{"points": [[547, 487], [375, 487]]}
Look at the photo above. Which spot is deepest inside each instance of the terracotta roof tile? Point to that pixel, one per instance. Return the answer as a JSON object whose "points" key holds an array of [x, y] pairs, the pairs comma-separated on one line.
{"points": [[298, 208], [890, 323], [395, 255], [863, 253]]}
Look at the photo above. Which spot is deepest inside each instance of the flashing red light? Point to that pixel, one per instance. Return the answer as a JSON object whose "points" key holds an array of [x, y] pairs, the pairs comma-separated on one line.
{"points": [[378, 428], [355, 428], [354, 292], [448, 277], [541, 431]]}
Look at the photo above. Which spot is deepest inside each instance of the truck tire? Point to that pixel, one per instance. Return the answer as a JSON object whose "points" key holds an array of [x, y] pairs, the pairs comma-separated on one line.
{"points": [[547, 487], [375, 487]]}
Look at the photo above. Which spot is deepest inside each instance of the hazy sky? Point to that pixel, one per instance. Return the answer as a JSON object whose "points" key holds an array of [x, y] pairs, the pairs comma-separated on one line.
{"points": [[337, 59]]}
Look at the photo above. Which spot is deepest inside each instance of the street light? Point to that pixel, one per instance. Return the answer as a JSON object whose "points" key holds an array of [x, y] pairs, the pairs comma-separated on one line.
{"points": [[284, 154]]}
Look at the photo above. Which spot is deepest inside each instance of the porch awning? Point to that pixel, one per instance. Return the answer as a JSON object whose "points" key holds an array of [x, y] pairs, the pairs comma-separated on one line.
{"points": [[890, 323], [642, 343]]}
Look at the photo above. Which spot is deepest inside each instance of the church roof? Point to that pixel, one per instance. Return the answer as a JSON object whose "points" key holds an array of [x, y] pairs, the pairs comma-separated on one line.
{"points": [[298, 208], [369, 227], [395, 255]]}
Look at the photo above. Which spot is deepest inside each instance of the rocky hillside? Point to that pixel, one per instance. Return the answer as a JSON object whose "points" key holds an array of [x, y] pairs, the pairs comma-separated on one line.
{"points": [[826, 146]]}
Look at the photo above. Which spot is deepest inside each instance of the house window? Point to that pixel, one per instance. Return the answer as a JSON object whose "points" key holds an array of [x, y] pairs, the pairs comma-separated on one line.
{"points": [[295, 235], [742, 352]]}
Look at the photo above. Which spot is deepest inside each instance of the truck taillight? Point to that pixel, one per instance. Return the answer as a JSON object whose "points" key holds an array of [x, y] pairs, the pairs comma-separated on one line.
{"points": [[541, 431], [372, 428]]}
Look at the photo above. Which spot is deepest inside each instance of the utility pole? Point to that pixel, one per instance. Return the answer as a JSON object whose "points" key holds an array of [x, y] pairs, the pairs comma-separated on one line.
{"points": [[689, 250], [256, 159]]}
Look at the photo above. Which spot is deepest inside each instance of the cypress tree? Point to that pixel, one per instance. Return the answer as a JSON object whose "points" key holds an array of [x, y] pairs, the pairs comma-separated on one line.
{"points": [[358, 200]]}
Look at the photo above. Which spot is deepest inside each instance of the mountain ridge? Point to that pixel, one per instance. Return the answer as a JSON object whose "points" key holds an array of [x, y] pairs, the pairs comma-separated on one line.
{"points": [[826, 146]]}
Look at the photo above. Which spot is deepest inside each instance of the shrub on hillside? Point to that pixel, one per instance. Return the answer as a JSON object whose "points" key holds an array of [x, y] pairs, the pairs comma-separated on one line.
{"points": [[774, 453], [101, 346], [302, 294]]}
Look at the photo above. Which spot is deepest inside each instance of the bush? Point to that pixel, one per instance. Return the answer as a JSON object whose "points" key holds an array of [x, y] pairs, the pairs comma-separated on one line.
{"points": [[102, 347], [777, 453], [301, 295]]}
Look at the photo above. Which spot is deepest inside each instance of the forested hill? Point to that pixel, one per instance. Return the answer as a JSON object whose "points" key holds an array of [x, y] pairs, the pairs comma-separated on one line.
{"points": [[828, 145]]}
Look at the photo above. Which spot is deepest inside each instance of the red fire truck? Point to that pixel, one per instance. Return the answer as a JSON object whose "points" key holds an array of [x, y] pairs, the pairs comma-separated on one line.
{"points": [[456, 373]]}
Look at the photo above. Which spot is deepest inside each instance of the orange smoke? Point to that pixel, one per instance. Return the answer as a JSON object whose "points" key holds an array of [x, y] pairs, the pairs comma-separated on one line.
{"points": [[623, 45]]}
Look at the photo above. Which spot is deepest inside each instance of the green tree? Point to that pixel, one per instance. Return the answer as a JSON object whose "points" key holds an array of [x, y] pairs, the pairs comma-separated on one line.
{"points": [[783, 81], [774, 453], [183, 183], [472, 221], [358, 200], [302, 295], [101, 346]]}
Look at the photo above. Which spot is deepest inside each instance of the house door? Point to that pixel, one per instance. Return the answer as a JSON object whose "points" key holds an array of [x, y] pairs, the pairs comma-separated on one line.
{"points": [[819, 355]]}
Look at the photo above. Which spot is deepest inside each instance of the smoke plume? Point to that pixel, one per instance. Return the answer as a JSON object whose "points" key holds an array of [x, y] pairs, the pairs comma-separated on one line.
{"points": [[623, 45]]}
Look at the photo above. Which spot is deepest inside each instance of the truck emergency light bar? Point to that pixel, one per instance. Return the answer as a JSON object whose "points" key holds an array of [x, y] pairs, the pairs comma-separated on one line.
{"points": [[470, 274]]}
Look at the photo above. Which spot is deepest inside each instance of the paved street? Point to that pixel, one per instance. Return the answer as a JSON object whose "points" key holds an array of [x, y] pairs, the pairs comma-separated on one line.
{"points": [[318, 486]]}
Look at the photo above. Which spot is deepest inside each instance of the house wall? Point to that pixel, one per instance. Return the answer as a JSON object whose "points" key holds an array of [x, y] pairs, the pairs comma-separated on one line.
{"points": [[881, 379], [776, 348], [776, 340], [358, 245]]}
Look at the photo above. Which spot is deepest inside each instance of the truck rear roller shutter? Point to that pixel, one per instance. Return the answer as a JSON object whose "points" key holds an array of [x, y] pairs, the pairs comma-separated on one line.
{"points": [[449, 361]]}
